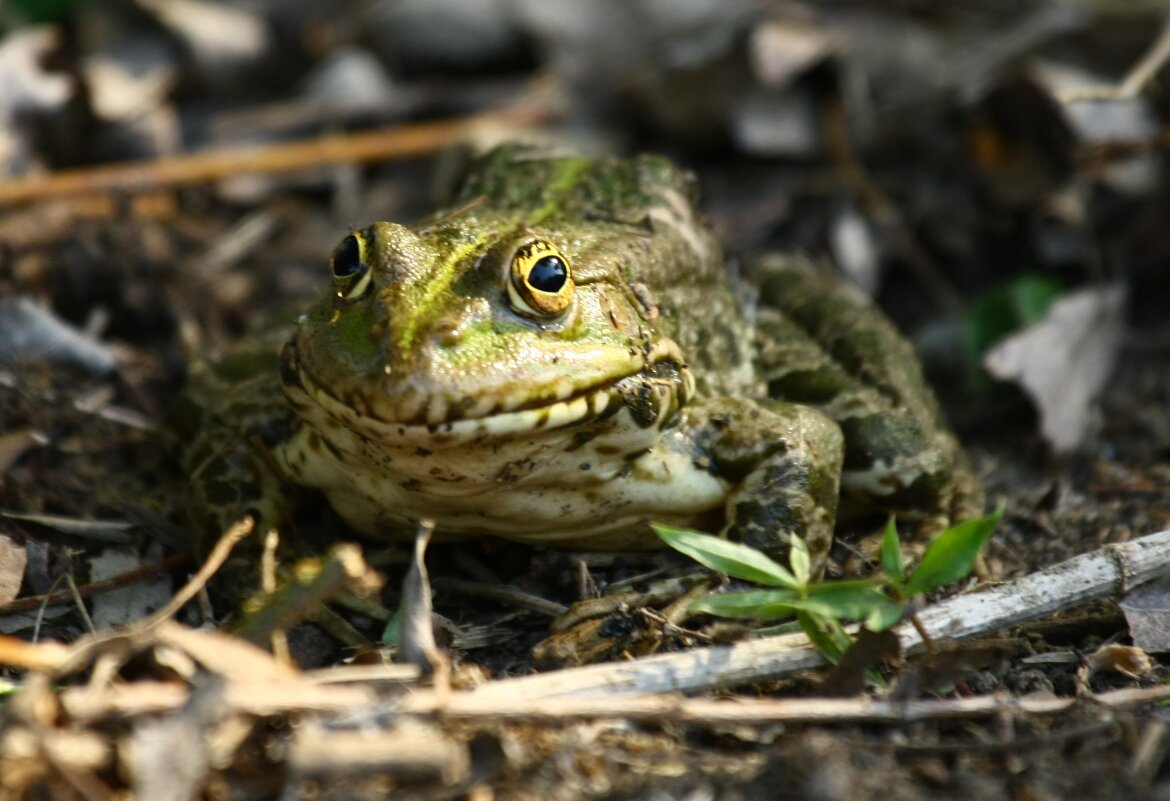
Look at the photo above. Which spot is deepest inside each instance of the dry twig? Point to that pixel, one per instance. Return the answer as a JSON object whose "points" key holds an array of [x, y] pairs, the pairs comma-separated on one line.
{"points": [[757, 711], [96, 588], [394, 142]]}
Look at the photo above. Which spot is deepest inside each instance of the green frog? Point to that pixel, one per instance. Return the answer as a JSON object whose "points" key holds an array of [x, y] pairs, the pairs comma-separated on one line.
{"points": [[561, 357]]}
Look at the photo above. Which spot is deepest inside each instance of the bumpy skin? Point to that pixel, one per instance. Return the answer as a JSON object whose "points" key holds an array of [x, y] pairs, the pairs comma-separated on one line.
{"points": [[456, 373]]}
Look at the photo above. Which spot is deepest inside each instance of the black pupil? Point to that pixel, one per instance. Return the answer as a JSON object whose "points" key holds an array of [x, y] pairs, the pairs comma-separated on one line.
{"points": [[347, 259], [548, 274]]}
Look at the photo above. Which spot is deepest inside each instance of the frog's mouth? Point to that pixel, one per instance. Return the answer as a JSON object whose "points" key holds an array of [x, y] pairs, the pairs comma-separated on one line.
{"points": [[650, 395]]}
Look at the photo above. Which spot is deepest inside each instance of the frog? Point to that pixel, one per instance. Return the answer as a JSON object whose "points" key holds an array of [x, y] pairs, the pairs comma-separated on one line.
{"points": [[563, 356]]}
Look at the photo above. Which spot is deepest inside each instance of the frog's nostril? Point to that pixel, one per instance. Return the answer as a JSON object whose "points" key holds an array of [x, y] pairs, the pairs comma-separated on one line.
{"points": [[448, 333]]}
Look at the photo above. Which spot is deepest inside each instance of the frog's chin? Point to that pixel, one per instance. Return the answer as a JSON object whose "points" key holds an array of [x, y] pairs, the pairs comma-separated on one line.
{"points": [[650, 395]]}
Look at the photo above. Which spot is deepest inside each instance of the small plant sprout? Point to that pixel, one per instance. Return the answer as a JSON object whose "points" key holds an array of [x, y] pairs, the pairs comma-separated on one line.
{"points": [[822, 608]]}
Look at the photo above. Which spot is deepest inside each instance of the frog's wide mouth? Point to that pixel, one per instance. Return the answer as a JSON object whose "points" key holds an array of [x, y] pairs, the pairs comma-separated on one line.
{"points": [[651, 393]]}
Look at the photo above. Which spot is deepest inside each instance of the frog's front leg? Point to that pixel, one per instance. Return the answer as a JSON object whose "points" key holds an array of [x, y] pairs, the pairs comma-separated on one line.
{"points": [[231, 428], [785, 460], [232, 477]]}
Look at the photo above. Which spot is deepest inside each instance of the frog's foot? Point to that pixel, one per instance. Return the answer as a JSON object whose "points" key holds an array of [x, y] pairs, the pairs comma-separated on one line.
{"points": [[788, 459]]}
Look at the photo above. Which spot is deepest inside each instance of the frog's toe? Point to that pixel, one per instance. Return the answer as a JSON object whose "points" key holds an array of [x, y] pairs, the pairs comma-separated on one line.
{"points": [[793, 491], [967, 500]]}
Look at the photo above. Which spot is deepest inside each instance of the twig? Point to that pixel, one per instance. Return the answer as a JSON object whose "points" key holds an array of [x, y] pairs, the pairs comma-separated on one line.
{"points": [[1144, 71], [392, 142], [364, 674], [43, 656], [417, 753], [97, 587], [499, 593], [240, 696], [215, 559], [1138, 77], [1111, 570], [278, 641], [715, 712], [79, 602]]}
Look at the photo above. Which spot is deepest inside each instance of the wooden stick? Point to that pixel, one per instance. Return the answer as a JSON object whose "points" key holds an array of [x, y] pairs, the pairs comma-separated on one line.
{"points": [[392, 142], [219, 554], [114, 583], [729, 711]]}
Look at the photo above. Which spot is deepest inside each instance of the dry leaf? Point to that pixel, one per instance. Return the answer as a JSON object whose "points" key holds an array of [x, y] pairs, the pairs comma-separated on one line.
{"points": [[1124, 659], [27, 88], [127, 604], [1147, 612], [29, 332], [780, 50], [1063, 361], [13, 560], [14, 444]]}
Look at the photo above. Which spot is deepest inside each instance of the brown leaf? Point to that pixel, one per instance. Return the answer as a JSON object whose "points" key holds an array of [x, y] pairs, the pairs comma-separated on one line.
{"points": [[1147, 611], [1064, 360], [13, 561]]}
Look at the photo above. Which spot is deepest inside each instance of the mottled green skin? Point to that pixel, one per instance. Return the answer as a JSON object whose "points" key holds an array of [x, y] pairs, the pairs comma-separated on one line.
{"points": [[425, 392]]}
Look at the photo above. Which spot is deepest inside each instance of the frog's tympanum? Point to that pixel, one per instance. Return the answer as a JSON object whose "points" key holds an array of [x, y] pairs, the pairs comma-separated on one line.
{"points": [[560, 357]]}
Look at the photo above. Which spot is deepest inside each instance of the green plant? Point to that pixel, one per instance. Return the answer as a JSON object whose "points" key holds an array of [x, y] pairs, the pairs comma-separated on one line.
{"points": [[822, 608]]}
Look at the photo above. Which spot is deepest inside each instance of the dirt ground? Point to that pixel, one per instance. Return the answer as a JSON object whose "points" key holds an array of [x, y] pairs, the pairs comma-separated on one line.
{"points": [[933, 158]]}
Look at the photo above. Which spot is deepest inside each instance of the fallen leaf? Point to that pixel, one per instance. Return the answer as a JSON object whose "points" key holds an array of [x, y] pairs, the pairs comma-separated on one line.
{"points": [[126, 604], [418, 645], [27, 89], [1063, 360], [780, 50], [1124, 659], [221, 38], [15, 444], [96, 530], [13, 560], [30, 332], [1147, 612]]}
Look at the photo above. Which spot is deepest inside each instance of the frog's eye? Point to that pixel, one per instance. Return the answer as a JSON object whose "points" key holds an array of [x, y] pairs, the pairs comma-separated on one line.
{"points": [[350, 267], [540, 283]]}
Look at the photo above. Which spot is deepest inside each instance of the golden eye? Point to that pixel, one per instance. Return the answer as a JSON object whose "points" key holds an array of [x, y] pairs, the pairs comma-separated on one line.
{"points": [[351, 267], [540, 283]]}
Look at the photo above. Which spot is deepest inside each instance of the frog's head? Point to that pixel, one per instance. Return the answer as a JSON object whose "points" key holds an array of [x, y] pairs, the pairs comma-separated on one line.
{"points": [[520, 309]]}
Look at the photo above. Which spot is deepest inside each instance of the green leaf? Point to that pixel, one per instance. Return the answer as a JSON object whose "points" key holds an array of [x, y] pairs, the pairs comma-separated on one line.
{"points": [[1008, 308], [952, 554], [392, 633], [740, 604], [796, 606], [848, 600], [788, 627], [827, 636], [892, 555], [762, 605], [731, 558], [799, 559], [852, 601], [885, 615], [47, 11]]}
